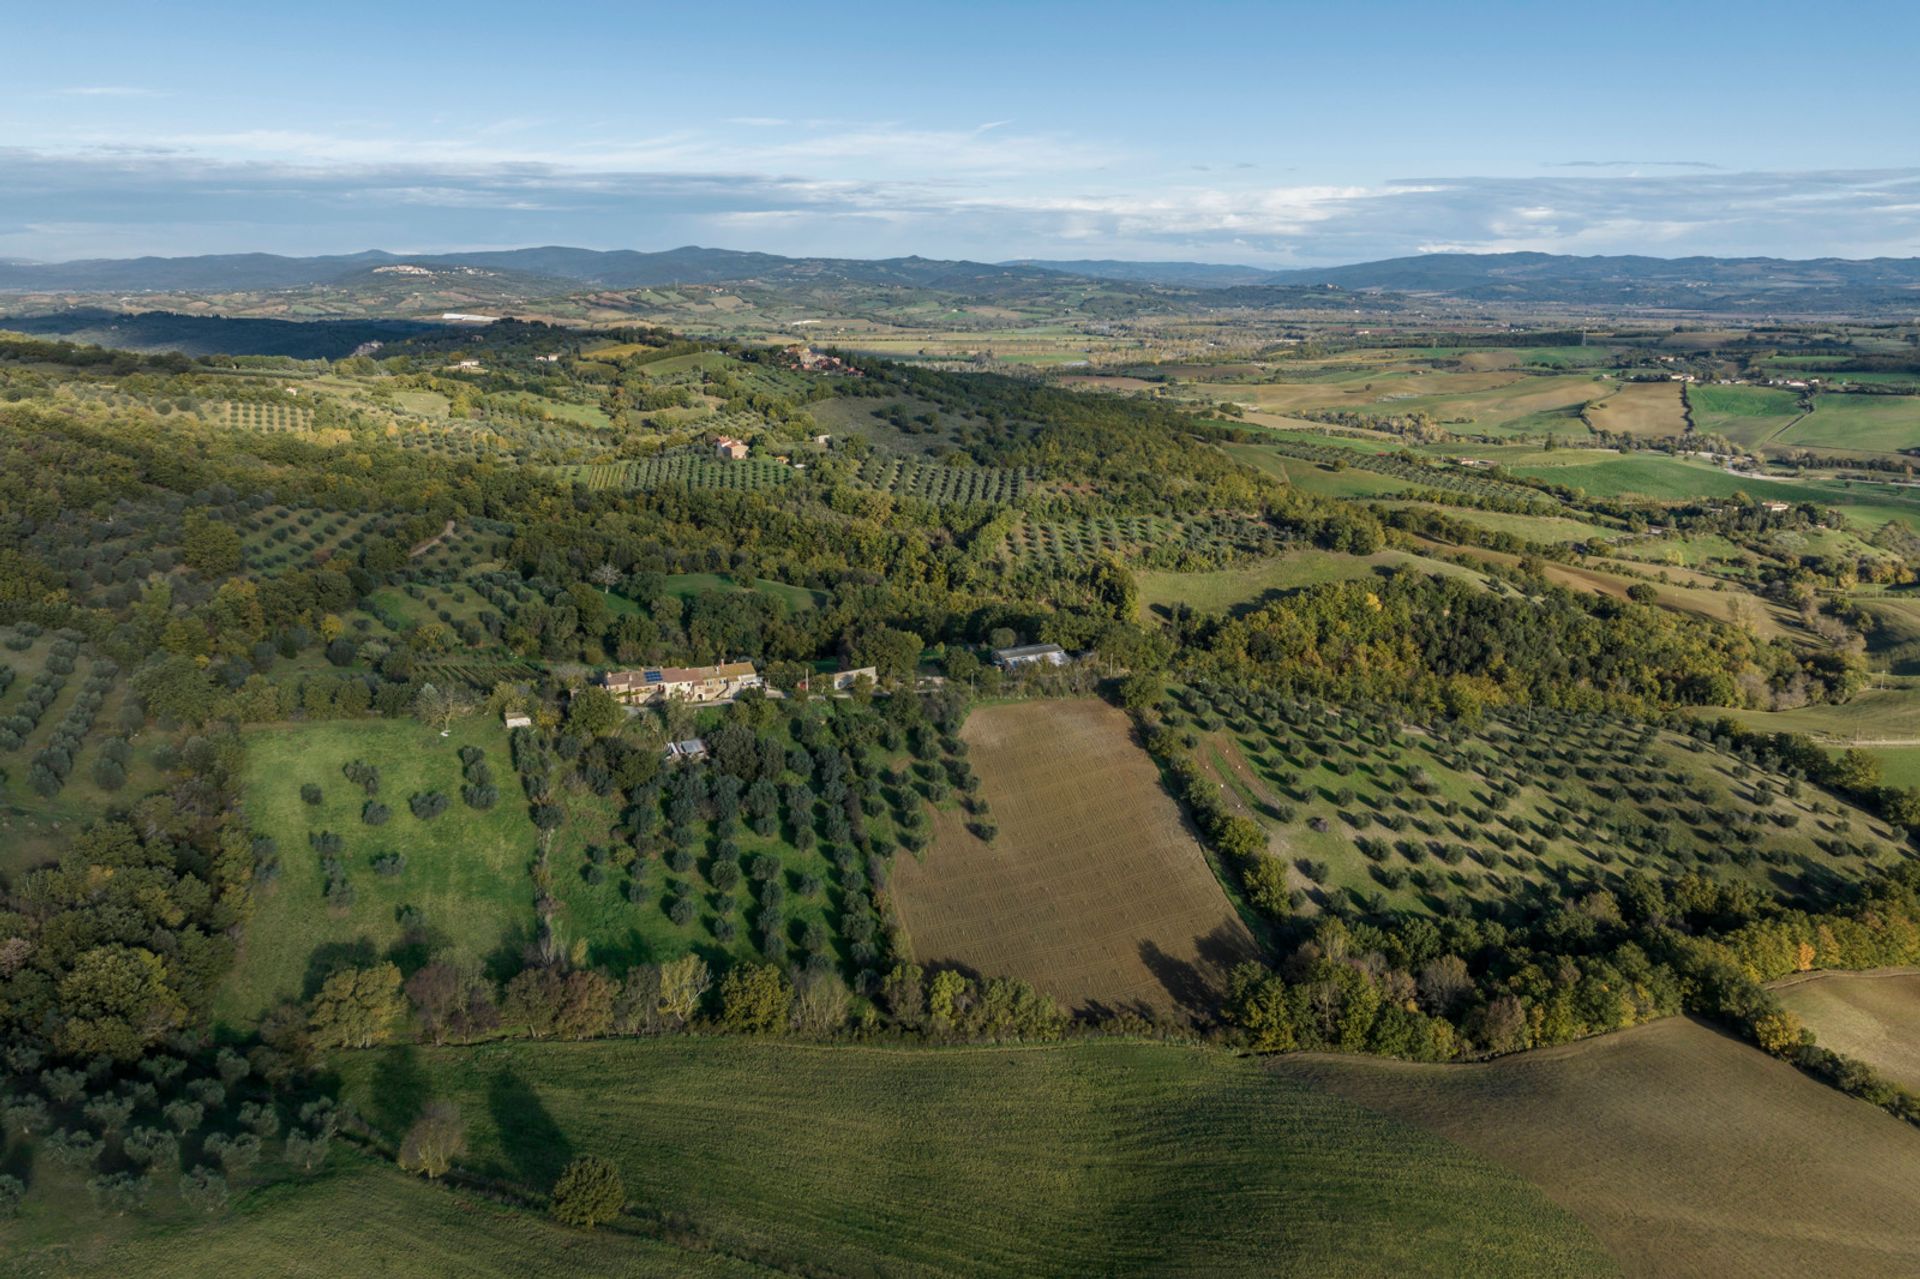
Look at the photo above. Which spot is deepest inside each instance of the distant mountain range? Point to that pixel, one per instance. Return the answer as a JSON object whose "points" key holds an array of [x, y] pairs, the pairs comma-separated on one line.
{"points": [[552, 265], [1739, 285], [1697, 283]]}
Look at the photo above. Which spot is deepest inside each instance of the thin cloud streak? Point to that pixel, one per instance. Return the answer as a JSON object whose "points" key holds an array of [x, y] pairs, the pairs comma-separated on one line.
{"points": [[135, 199]]}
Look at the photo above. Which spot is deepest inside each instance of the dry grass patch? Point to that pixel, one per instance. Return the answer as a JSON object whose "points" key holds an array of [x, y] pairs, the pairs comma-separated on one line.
{"points": [[1094, 889], [1686, 1152], [1652, 409], [1874, 1016]]}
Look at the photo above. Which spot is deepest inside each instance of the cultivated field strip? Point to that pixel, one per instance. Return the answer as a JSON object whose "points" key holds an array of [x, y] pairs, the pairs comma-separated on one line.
{"points": [[1094, 890]]}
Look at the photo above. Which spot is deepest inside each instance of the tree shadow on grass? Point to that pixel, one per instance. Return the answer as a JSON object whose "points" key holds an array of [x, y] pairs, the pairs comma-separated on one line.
{"points": [[535, 1148], [328, 959], [400, 1090]]}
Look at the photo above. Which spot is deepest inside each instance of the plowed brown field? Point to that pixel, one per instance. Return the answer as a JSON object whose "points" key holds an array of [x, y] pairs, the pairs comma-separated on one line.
{"points": [[1095, 890]]}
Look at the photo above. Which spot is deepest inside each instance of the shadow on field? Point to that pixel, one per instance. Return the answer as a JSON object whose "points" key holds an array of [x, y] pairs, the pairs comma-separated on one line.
{"points": [[1197, 986], [400, 1090], [330, 958], [535, 1148]]}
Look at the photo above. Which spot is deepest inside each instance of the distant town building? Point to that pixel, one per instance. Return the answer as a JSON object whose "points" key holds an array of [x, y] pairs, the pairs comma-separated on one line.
{"points": [[1776, 508], [517, 719], [466, 317], [1009, 659], [550, 358], [681, 683], [728, 447], [692, 748], [469, 365]]}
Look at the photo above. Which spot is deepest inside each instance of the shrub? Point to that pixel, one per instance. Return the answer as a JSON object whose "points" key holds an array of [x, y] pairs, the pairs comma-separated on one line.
{"points": [[589, 1192], [427, 805], [374, 813], [311, 794]]}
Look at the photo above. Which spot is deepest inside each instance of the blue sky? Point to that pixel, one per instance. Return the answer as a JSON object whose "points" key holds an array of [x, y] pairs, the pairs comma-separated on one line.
{"points": [[1276, 134]]}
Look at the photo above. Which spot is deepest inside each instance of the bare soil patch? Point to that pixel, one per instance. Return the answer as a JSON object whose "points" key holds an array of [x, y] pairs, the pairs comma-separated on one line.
{"points": [[1095, 889], [1874, 1016]]}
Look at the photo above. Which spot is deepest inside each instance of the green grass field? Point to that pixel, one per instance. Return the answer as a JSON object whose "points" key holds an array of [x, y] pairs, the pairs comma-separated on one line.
{"points": [[1748, 415], [1880, 423], [1241, 587], [688, 585], [467, 869], [359, 1216], [1092, 1159]]}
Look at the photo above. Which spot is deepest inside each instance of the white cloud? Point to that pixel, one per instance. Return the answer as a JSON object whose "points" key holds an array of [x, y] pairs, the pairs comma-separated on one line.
{"points": [[879, 190]]}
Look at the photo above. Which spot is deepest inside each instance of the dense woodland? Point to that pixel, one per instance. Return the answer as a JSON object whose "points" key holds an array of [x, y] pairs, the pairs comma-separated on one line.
{"points": [[192, 548]]}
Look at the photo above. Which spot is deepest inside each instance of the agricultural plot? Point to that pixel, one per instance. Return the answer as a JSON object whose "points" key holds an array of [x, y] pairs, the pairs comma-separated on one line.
{"points": [[1409, 817], [781, 872], [1870, 1016], [1133, 1158], [68, 741], [1093, 889], [1251, 585], [472, 547], [375, 1220], [278, 538], [1875, 423], [1198, 542], [1415, 474], [1545, 529], [790, 599], [1746, 415], [681, 470], [256, 415], [1684, 1150], [460, 880], [1650, 409], [904, 478]]}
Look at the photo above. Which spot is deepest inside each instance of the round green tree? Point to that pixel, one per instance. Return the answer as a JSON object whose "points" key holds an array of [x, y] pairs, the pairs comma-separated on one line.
{"points": [[589, 1192]]}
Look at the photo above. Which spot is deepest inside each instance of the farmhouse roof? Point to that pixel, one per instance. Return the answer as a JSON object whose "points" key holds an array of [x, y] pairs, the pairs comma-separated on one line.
{"points": [[1027, 650]]}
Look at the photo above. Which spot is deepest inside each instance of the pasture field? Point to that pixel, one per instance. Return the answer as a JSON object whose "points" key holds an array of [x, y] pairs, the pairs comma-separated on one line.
{"points": [[1748, 415], [1684, 592], [373, 1219], [1651, 409], [1657, 477], [790, 598], [465, 868], [1545, 529], [1288, 458], [1094, 890], [1873, 1016], [1413, 817], [1250, 585], [1887, 712], [1091, 1159], [1879, 423], [1685, 1151]]}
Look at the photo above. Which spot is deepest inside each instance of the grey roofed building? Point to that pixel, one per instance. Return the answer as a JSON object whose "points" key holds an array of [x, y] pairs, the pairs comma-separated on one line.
{"points": [[1029, 655]]}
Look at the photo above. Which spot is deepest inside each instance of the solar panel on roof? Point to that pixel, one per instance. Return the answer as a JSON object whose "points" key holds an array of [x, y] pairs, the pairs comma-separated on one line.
{"points": [[653, 677]]}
